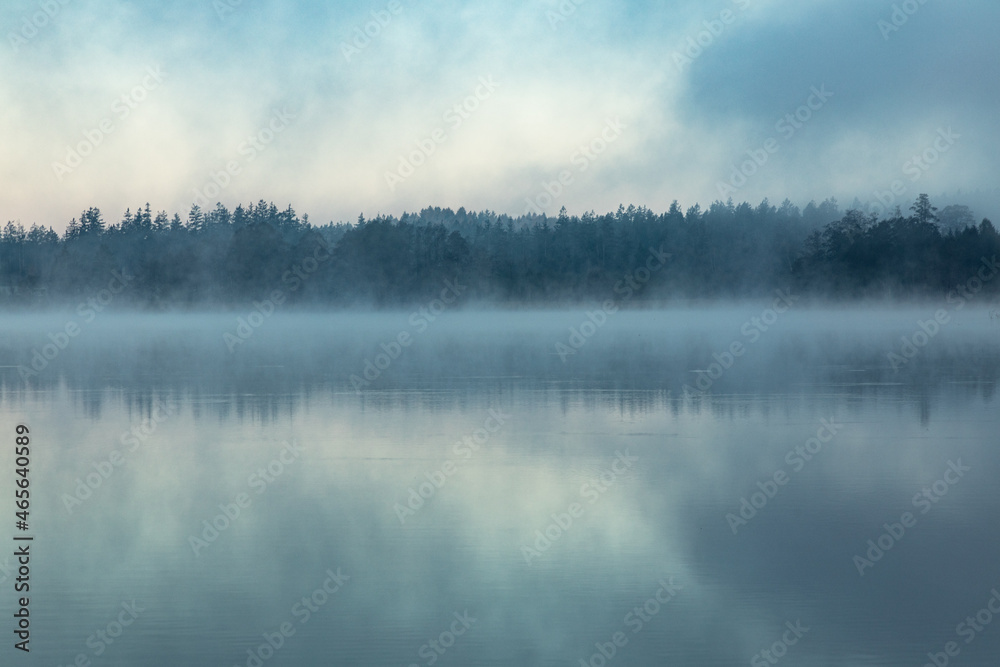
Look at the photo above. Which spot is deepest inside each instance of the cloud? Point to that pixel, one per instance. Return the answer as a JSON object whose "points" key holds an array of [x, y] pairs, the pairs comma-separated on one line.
{"points": [[563, 74]]}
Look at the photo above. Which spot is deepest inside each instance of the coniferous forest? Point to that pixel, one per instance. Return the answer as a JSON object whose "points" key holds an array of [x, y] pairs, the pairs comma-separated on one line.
{"points": [[223, 258]]}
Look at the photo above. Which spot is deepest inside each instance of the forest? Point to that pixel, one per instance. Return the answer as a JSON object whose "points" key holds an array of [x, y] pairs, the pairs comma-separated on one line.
{"points": [[222, 258]]}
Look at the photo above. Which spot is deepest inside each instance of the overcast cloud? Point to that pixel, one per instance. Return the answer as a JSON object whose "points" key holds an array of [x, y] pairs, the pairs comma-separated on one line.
{"points": [[331, 122]]}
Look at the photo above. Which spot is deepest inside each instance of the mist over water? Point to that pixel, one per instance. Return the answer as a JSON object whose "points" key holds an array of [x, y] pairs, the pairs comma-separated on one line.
{"points": [[451, 334], [459, 353], [483, 472]]}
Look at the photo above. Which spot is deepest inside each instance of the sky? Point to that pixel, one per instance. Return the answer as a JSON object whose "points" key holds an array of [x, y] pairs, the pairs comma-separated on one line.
{"points": [[387, 106]]}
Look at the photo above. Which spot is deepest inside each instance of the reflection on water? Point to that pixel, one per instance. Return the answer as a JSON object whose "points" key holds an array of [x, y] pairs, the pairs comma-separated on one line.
{"points": [[483, 501]]}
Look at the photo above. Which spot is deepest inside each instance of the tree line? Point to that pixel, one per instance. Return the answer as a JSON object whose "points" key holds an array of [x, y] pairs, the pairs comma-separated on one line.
{"points": [[229, 258]]}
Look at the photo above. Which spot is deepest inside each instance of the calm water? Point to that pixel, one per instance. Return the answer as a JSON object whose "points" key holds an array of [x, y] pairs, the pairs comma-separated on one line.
{"points": [[487, 501]]}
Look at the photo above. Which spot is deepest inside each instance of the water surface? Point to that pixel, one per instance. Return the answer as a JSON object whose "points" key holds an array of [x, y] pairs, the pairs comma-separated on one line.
{"points": [[487, 501]]}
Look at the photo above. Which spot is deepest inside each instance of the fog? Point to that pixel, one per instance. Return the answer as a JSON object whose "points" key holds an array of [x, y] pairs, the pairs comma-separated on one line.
{"points": [[645, 359], [706, 428]]}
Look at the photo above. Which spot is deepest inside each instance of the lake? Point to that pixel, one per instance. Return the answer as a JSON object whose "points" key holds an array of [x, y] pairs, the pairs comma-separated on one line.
{"points": [[692, 486]]}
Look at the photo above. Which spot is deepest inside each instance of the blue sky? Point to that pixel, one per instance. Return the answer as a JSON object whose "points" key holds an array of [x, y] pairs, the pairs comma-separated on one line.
{"points": [[273, 100]]}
